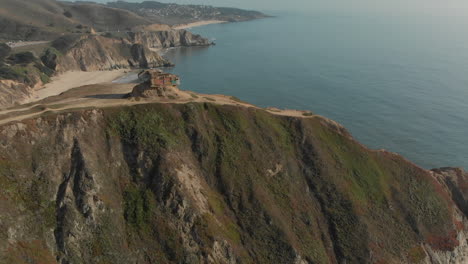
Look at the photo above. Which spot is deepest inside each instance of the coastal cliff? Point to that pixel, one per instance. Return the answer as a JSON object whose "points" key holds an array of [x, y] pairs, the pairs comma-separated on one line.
{"points": [[94, 53], [123, 50], [205, 183], [21, 73], [168, 39]]}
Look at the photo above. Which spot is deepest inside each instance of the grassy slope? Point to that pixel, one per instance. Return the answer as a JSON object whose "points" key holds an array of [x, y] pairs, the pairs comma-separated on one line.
{"points": [[333, 200], [47, 19], [366, 199], [104, 18], [178, 14]]}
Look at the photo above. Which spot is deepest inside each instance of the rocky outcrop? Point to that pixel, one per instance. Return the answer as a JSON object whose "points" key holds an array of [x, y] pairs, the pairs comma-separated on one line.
{"points": [[133, 50], [200, 183], [168, 39], [455, 182], [92, 52]]}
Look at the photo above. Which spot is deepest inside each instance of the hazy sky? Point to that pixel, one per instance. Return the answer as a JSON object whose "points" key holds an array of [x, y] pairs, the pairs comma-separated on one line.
{"points": [[444, 7]]}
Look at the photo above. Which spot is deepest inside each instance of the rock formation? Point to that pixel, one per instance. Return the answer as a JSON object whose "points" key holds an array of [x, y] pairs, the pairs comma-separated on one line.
{"points": [[168, 39], [92, 52], [129, 50]]}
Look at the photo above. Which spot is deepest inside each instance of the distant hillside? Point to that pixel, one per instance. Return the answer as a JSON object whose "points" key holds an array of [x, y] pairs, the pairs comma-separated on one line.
{"points": [[39, 19], [48, 19], [180, 14], [104, 18]]}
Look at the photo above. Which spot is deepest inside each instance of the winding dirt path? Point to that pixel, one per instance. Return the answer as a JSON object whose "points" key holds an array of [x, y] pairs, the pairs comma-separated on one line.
{"points": [[111, 95]]}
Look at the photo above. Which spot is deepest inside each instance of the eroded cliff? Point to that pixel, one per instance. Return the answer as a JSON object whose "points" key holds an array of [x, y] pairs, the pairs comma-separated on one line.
{"points": [[168, 39], [200, 183], [94, 52]]}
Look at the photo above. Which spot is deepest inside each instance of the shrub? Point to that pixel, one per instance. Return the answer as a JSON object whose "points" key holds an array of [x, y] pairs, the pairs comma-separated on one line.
{"points": [[14, 73], [44, 78], [236, 99], [68, 14], [4, 50], [210, 99], [139, 206], [50, 62], [142, 128], [66, 42], [22, 58]]}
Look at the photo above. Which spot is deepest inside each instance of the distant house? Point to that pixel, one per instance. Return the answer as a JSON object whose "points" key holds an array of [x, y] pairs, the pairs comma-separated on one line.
{"points": [[159, 78], [156, 84]]}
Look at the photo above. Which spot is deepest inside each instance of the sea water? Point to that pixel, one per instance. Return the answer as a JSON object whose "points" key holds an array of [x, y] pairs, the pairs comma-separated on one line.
{"points": [[398, 82]]}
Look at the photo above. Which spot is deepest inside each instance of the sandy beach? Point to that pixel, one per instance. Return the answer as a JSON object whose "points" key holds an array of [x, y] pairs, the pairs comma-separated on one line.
{"points": [[199, 24], [69, 80]]}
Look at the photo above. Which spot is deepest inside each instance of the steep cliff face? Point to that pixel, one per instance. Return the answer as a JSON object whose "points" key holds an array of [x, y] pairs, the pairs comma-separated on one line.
{"points": [[199, 183], [168, 39], [126, 50], [92, 52]]}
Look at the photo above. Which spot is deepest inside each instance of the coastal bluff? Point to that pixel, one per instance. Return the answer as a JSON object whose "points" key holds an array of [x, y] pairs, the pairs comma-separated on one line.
{"points": [[200, 182]]}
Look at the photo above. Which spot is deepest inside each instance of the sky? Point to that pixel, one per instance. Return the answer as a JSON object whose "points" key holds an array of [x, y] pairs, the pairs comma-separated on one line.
{"points": [[442, 7]]}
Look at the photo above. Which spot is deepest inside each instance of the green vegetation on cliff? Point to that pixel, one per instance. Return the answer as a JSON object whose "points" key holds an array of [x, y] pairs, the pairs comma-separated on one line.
{"points": [[353, 191], [25, 67], [168, 183]]}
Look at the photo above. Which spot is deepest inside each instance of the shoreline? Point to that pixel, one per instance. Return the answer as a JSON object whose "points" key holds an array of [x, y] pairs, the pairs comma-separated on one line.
{"points": [[199, 24]]}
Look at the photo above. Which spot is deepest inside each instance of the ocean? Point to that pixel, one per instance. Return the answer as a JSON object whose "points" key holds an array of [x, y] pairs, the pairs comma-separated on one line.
{"points": [[398, 83]]}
